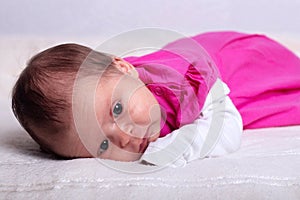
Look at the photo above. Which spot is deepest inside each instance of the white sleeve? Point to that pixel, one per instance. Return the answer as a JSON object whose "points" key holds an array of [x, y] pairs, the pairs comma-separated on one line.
{"points": [[216, 132]]}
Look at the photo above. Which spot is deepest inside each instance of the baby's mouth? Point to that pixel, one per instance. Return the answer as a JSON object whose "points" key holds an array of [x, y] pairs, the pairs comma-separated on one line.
{"points": [[143, 145]]}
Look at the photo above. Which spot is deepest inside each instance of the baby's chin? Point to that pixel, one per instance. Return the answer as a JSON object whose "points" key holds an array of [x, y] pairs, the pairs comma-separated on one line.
{"points": [[153, 137]]}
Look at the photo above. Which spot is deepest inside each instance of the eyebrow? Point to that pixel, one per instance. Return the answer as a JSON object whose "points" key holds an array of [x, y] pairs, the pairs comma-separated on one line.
{"points": [[104, 106]]}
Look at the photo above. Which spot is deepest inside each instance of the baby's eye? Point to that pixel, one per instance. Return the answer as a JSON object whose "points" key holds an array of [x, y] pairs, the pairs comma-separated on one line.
{"points": [[117, 110], [103, 147]]}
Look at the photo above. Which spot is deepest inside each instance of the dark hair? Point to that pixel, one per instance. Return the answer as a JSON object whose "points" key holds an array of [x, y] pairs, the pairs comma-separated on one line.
{"points": [[41, 98]]}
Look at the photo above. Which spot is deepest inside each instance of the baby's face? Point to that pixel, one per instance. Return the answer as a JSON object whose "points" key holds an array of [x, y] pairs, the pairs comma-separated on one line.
{"points": [[128, 116]]}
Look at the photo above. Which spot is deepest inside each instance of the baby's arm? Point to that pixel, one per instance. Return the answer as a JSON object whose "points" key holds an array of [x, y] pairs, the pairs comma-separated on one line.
{"points": [[216, 132]]}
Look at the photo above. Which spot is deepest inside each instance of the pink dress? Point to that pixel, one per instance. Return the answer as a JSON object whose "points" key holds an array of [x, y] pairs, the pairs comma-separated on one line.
{"points": [[263, 76]]}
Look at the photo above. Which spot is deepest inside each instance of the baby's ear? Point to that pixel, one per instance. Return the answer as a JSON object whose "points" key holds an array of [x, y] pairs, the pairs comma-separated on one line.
{"points": [[125, 67]]}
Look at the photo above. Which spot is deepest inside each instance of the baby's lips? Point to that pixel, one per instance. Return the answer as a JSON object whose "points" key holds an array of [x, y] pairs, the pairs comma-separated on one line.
{"points": [[143, 145]]}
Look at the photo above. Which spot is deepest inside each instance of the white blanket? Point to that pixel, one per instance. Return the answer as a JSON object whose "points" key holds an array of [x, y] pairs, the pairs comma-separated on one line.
{"points": [[266, 167]]}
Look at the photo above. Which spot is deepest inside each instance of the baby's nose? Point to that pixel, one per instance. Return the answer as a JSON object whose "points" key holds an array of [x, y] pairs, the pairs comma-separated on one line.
{"points": [[124, 139]]}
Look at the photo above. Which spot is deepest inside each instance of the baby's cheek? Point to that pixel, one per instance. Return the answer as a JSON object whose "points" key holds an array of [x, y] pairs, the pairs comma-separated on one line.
{"points": [[138, 107], [124, 155]]}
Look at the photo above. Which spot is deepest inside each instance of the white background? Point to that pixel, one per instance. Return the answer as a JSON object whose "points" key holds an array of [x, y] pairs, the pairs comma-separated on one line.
{"points": [[106, 18]]}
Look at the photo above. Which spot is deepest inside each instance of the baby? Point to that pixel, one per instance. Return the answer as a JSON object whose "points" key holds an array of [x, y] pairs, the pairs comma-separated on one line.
{"points": [[170, 106]]}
